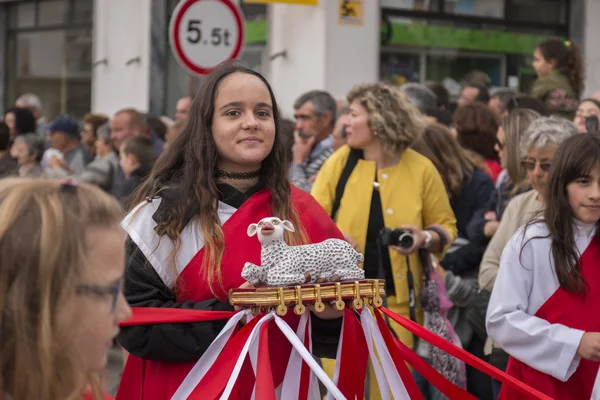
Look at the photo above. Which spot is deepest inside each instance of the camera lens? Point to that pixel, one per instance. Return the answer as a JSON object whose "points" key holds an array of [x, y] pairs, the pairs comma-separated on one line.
{"points": [[405, 240]]}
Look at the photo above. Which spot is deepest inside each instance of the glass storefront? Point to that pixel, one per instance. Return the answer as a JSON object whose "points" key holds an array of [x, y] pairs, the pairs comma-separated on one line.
{"points": [[49, 53], [48, 47], [443, 40]]}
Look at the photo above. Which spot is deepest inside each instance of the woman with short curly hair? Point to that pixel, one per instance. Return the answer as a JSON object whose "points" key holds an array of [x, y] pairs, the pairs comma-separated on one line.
{"points": [[375, 182]]}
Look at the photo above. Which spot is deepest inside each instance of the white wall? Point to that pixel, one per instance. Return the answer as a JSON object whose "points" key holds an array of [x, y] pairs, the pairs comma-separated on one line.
{"points": [[300, 31], [591, 49], [352, 56], [321, 53], [121, 33]]}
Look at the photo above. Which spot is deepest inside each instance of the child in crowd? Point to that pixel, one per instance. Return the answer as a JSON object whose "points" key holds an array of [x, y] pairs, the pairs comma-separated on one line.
{"points": [[137, 158], [62, 259], [547, 291], [560, 69]]}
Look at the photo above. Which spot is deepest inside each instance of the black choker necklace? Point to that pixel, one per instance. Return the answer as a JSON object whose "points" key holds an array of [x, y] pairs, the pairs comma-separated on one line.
{"points": [[237, 175]]}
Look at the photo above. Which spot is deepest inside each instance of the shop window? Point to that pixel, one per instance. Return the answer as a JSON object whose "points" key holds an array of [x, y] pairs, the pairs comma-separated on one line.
{"points": [[84, 12], [254, 11], [54, 61], [415, 5], [540, 11], [21, 15], [475, 8], [54, 12], [400, 67], [452, 67], [55, 65]]}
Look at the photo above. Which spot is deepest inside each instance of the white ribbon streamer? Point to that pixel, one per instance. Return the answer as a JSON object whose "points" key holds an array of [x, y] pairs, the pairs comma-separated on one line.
{"points": [[379, 375], [389, 369], [240, 361], [291, 381], [308, 358], [207, 360], [253, 354]]}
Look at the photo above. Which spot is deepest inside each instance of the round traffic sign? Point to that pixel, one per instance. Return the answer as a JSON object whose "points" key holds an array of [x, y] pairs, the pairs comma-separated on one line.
{"points": [[204, 33]]}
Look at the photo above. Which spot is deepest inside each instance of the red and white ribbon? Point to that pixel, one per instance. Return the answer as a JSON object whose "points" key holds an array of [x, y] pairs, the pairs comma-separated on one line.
{"points": [[387, 354], [387, 375], [208, 358], [308, 358], [293, 374], [240, 361]]}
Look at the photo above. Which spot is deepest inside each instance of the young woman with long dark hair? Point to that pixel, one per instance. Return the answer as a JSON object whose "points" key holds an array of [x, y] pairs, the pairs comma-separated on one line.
{"points": [[187, 235]]}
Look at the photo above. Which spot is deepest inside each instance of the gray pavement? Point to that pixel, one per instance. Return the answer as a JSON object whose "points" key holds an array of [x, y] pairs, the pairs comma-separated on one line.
{"points": [[114, 369]]}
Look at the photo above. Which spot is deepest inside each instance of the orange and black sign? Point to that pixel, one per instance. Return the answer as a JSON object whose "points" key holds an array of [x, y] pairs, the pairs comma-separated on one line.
{"points": [[351, 12]]}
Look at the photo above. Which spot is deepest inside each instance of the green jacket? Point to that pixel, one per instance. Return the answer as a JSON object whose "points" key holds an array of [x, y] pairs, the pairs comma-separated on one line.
{"points": [[558, 95]]}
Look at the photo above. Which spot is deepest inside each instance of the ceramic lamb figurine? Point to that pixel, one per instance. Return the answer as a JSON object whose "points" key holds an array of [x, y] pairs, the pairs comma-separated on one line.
{"points": [[283, 265]]}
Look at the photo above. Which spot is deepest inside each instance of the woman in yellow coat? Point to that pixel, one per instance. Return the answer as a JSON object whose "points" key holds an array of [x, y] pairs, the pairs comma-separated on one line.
{"points": [[389, 186]]}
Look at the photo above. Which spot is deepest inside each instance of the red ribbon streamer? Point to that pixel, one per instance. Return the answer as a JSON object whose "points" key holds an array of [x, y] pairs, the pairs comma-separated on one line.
{"points": [[353, 359], [362, 358], [156, 315], [305, 372], [438, 380], [265, 388], [462, 355], [217, 376]]}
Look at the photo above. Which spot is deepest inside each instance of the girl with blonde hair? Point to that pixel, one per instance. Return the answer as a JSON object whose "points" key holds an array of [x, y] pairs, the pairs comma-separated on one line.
{"points": [[61, 266]]}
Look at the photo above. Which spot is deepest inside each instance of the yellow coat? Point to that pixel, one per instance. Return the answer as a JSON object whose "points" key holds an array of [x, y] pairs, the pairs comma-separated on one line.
{"points": [[412, 193]]}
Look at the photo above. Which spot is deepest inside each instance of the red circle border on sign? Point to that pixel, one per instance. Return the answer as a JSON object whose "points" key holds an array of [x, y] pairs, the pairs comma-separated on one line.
{"points": [[174, 30]]}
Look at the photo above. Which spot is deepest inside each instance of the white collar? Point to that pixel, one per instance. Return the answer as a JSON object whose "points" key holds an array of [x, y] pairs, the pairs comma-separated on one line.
{"points": [[584, 229]]}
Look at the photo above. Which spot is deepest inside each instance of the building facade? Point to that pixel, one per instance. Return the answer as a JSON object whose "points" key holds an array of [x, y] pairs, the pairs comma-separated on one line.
{"points": [[103, 55]]}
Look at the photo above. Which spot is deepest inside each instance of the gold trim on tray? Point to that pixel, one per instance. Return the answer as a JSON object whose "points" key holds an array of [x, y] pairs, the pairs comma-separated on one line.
{"points": [[335, 293]]}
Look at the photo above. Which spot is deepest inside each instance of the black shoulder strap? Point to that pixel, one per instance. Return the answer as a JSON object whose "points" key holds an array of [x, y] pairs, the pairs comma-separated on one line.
{"points": [[351, 162]]}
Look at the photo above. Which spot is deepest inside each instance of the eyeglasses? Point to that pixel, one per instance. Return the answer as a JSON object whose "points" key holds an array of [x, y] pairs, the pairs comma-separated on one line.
{"points": [[102, 291], [529, 165]]}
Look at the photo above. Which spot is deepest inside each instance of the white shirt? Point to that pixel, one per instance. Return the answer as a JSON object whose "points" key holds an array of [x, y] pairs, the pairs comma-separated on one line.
{"points": [[526, 280]]}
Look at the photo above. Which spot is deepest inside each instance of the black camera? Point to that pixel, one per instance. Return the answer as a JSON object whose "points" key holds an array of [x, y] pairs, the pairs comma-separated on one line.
{"points": [[396, 237]]}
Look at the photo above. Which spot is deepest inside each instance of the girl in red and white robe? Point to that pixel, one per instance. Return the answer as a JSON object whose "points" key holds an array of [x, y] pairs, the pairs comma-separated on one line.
{"points": [[545, 303], [227, 169]]}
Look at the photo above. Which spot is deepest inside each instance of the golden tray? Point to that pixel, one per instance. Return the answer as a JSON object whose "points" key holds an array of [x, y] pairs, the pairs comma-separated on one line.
{"points": [[337, 293]]}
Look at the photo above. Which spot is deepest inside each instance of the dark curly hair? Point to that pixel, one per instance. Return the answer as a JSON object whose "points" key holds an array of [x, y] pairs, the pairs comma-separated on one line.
{"points": [[476, 129], [567, 58]]}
